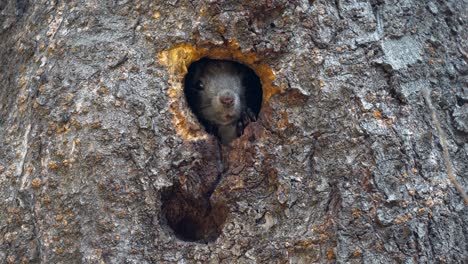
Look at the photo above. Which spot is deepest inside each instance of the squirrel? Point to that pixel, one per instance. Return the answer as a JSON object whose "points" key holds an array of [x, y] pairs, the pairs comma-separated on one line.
{"points": [[216, 92]]}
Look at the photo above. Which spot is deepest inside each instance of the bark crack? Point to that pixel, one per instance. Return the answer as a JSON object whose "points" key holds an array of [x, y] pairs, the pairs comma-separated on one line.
{"points": [[443, 142]]}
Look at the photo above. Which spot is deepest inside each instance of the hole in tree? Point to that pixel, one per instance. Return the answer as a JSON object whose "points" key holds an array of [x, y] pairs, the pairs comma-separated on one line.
{"points": [[192, 219], [223, 94]]}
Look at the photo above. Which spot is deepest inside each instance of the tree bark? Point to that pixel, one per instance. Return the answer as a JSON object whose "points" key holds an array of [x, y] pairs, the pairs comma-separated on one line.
{"points": [[356, 156]]}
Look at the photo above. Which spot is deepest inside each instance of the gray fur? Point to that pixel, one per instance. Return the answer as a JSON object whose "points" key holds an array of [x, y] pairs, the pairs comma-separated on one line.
{"points": [[220, 78]]}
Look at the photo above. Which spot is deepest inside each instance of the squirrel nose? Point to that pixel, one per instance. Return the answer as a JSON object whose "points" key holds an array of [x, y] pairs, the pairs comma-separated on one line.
{"points": [[226, 100]]}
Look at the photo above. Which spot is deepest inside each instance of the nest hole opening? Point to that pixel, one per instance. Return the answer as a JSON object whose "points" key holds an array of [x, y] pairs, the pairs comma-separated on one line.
{"points": [[199, 95], [192, 219]]}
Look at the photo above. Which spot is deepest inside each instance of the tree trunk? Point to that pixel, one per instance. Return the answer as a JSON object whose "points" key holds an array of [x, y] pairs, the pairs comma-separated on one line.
{"points": [[359, 153]]}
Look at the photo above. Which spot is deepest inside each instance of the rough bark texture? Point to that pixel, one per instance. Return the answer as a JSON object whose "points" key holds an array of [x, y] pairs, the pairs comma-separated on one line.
{"points": [[345, 163]]}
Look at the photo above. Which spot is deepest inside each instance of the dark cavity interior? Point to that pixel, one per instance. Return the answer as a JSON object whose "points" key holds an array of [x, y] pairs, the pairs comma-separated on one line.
{"points": [[251, 82], [192, 219]]}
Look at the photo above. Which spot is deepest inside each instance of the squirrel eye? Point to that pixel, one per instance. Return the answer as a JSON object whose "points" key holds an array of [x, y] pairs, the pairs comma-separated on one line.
{"points": [[199, 86]]}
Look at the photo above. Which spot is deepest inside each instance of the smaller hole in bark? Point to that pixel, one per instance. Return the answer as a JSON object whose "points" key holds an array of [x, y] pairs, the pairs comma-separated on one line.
{"points": [[192, 219], [224, 95]]}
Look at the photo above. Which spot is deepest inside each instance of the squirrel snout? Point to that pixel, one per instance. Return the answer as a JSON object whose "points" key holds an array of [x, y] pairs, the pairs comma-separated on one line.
{"points": [[226, 100]]}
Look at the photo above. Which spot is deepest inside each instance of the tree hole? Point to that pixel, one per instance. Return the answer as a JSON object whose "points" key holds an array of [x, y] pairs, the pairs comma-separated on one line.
{"points": [[224, 95], [192, 219]]}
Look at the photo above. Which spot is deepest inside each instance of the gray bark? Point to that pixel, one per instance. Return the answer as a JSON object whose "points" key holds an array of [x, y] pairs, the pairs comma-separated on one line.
{"points": [[101, 161]]}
